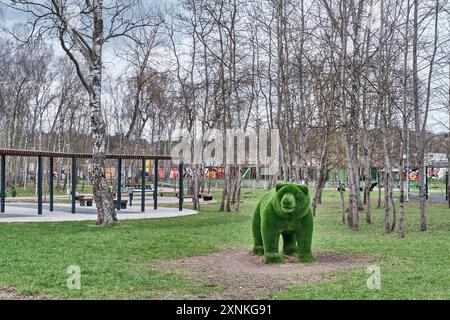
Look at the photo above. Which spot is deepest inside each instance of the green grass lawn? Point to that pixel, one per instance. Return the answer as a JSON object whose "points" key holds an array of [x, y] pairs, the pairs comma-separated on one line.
{"points": [[120, 262], [30, 189]]}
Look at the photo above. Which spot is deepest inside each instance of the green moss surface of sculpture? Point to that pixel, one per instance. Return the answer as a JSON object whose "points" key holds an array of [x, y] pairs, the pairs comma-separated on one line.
{"points": [[284, 211]]}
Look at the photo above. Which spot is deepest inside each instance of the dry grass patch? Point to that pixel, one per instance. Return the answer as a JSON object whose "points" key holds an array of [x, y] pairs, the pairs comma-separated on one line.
{"points": [[242, 275]]}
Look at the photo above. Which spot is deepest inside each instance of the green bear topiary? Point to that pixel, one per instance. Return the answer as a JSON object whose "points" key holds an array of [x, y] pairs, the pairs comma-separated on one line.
{"points": [[285, 211]]}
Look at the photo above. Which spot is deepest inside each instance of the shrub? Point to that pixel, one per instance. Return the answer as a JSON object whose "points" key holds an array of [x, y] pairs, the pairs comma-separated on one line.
{"points": [[13, 191]]}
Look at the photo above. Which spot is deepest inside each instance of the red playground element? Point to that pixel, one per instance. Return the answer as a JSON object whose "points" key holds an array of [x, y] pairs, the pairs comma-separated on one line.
{"points": [[173, 174]]}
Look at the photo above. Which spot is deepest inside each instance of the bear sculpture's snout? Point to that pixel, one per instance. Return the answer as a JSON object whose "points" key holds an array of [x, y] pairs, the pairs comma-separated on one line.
{"points": [[288, 203]]}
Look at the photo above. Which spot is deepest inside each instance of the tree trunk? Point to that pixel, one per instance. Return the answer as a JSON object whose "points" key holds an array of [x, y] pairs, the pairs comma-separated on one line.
{"points": [[196, 186], [229, 189], [379, 190], [448, 151], [367, 185], [341, 192], [239, 188], [102, 193], [404, 147], [348, 126], [322, 174], [417, 121], [366, 124]]}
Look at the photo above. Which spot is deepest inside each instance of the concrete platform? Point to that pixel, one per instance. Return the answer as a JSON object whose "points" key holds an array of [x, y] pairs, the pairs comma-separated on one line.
{"points": [[27, 212], [136, 200], [431, 198]]}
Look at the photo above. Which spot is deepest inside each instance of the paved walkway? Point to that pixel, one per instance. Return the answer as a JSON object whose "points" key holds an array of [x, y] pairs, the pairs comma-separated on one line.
{"points": [[431, 198], [136, 200], [27, 212]]}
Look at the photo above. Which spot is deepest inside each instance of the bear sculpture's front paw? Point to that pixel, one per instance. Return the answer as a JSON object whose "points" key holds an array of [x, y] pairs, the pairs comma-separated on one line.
{"points": [[273, 258], [258, 250], [307, 258]]}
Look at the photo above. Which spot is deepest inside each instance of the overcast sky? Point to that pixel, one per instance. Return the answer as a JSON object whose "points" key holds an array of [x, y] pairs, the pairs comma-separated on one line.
{"points": [[115, 66]]}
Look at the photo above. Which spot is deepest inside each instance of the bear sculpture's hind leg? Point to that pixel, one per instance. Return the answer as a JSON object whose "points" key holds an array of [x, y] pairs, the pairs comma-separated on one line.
{"points": [[289, 244], [304, 239]]}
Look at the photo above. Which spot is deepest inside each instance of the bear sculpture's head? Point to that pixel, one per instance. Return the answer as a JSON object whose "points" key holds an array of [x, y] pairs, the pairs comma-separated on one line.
{"points": [[292, 199]]}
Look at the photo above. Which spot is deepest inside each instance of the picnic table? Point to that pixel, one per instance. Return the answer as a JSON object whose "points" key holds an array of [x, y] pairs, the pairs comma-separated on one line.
{"points": [[123, 203], [206, 196], [85, 200]]}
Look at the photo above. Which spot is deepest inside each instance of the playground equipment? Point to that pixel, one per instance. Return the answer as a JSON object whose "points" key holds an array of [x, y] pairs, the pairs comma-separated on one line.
{"points": [[436, 178], [41, 155], [436, 175]]}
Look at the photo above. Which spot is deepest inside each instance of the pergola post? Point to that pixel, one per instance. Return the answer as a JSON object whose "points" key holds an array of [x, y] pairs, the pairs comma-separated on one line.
{"points": [[74, 182], [39, 183], [180, 187], [155, 188], [143, 186], [119, 183], [446, 186], [50, 183], [3, 183]]}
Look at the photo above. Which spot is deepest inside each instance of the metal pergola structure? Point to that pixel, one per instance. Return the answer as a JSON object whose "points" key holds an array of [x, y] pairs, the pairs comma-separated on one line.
{"points": [[40, 155]]}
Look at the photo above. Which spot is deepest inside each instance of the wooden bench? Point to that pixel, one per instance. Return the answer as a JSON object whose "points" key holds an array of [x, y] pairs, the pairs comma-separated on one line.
{"points": [[172, 193], [372, 186], [207, 196], [86, 201], [123, 203]]}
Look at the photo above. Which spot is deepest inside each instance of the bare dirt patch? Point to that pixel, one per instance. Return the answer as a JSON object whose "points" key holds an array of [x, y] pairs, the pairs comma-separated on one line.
{"points": [[243, 275], [10, 293]]}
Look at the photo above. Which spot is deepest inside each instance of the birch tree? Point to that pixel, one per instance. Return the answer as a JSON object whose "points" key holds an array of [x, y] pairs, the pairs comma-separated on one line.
{"points": [[82, 32]]}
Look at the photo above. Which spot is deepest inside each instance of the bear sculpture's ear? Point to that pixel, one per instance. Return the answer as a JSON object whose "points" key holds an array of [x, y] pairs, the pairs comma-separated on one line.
{"points": [[304, 189], [279, 186]]}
